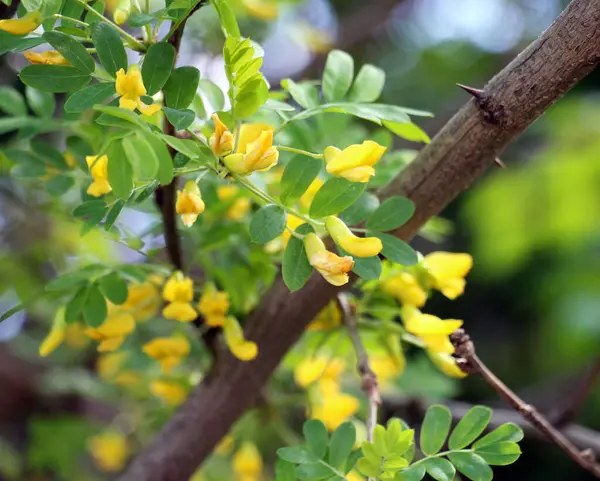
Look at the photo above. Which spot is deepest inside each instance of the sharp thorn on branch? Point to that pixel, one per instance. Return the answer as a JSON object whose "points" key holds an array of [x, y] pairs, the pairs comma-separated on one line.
{"points": [[477, 93], [499, 163]]}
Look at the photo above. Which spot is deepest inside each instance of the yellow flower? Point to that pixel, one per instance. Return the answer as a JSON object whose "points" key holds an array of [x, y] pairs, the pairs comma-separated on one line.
{"points": [[224, 446], [354, 163], [259, 155], [143, 300], [113, 331], [189, 203], [240, 206], [249, 133], [75, 335], [335, 406], [386, 367], [329, 318], [130, 87], [308, 196], [354, 476], [447, 271], [179, 292], [109, 450], [446, 363], [56, 335], [247, 463], [319, 368], [234, 337], [110, 367], [50, 57], [357, 246], [431, 329], [332, 267], [263, 9], [169, 351], [99, 170], [169, 392], [221, 142], [406, 289], [122, 10], [21, 26], [213, 306]]}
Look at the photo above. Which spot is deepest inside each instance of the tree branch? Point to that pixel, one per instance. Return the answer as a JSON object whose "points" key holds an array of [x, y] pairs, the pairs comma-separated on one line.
{"points": [[368, 377], [464, 148], [470, 363]]}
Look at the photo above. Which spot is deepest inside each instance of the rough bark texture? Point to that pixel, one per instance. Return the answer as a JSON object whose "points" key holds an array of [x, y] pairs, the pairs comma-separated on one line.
{"points": [[462, 150]]}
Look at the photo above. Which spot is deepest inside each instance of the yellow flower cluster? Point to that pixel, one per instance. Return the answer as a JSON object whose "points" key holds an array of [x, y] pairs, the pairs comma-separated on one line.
{"points": [[130, 88], [213, 305], [247, 463], [179, 293], [189, 203], [255, 150], [99, 170], [354, 163], [109, 451], [168, 351], [50, 57], [331, 266], [240, 206]]}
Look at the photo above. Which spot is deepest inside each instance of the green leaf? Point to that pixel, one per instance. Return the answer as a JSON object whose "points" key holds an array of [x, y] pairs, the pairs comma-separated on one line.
{"points": [[90, 208], [17, 43], [352, 459], [98, 6], [504, 433], [297, 177], [138, 19], [58, 185], [314, 471], [499, 454], [71, 9], [392, 213], [397, 250], [337, 76], [285, 471], [227, 18], [470, 427], [213, 93], [94, 308], [340, 446], [267, 223], [12, 102], [364, 206], [316, 436], [42, 103], [368, 468], [72, 50], [191, 148], [412, 473], [89, 96], [142, 157], [181, 87], [109, 47], [120, 173], [304, 93], [408, 131], [75, 305], [12, 311], [368, 84], [180, 119], [54, 78], [124, 114], [368, 268], [334, 196], [472, 466], [50, 155], [394, 463], [273, 104], [297, 455], [250, 98], [114, 288], [165, 162], [295, 266], [113, 214], [157, 66], [440, 469], [32, 5]]}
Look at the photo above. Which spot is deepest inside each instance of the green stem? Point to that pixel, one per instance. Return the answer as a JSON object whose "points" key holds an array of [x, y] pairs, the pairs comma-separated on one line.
{"points": [[439, 455], [74, 20], [175, 25], [139, 45], [299, 151], [238, 128]]}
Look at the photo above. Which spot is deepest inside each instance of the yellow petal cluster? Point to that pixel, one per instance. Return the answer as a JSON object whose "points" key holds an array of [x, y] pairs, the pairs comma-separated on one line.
{"points": [[130, 88], [331, 266], [143, 300], [112, 368], [405, 287], [222, 140], [213, 305], [179, 293], [50, 57], [168, 351], [241, 348], [432, 330], [24, 25], [329, 318], [446, 363], [314, 369], [387, 367], [240, 207], [253, 154], [247, 463], [309, 194], [189, 203], [354, 163], [169, 392], [56, 336], [447, 271], [75, 335], [113, 331], [334, 406], [109, 450], [99, 170], [357, 246]]}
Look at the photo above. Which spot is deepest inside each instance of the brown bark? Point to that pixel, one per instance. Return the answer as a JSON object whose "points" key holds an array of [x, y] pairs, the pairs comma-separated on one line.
{"points": [[462, 150]]}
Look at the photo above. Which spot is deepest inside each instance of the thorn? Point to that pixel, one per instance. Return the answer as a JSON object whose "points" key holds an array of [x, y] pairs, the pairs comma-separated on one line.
{"points": [[499, 163], [477, 93]]}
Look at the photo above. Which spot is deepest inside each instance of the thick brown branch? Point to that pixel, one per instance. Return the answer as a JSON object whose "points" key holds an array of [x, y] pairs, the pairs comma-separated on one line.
{"points": [[470, 362], [461, 152]]}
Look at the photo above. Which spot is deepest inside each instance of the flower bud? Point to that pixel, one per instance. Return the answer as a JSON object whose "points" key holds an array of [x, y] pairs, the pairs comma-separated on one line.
{"points": [[357, 246], [332, 267]]}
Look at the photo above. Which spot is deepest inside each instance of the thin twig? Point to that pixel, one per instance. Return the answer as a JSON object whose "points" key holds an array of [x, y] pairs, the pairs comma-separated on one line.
{"points": [[368, 377], [470, 363], [568, 412]]}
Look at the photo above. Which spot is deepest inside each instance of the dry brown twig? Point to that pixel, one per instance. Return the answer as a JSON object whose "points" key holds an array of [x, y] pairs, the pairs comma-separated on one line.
{"points": [[470, 363], [369, 383]]}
